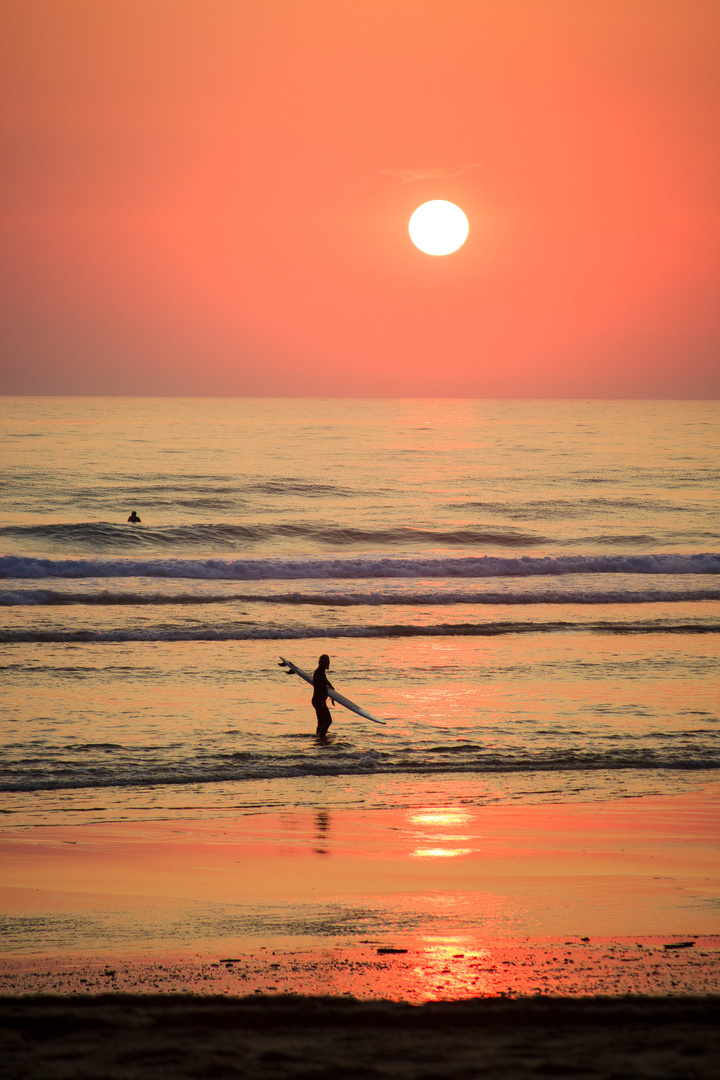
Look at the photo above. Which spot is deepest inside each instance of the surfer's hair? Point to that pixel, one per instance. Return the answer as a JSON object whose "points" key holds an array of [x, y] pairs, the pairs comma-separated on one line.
{"points": [[324, 661]]}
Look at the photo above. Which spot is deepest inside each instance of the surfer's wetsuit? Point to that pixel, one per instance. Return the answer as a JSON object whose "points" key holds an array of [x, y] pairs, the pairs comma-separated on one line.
{"points": [[321, 684]]}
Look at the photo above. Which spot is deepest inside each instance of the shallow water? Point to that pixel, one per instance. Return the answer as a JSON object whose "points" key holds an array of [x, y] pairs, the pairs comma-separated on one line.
{"points": [[525, 591]]}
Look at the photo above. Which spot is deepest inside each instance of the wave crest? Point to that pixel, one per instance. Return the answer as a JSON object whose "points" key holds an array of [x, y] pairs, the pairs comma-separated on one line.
{"points": [[280, 569], [101, 773], [106, 598], [304, 633]]}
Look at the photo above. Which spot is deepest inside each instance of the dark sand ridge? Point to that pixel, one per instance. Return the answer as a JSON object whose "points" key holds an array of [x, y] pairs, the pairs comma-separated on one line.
{"points": [[130, 1038]]}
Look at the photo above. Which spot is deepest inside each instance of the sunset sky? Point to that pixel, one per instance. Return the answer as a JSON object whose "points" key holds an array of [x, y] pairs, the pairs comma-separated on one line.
{"points": [[212, 196]]}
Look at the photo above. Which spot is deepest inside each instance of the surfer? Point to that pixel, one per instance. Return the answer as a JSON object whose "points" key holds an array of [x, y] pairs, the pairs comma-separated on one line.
{"points": [[134, 518], [321, 685]]}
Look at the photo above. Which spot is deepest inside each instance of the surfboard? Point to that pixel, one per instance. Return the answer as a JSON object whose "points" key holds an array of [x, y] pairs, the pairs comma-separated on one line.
{"points": [[293, 669]]}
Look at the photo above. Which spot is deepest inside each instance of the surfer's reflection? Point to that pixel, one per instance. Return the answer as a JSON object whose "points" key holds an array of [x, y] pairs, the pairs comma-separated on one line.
{"points": [[321, 685], [322, 827]]}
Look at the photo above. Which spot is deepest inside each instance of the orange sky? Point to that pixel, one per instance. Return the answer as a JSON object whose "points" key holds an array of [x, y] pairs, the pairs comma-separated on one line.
{"points": [[212, 196]]}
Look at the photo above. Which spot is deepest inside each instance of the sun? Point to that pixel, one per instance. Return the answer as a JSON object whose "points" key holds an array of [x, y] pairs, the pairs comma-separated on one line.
{"points": [[438, 227]]}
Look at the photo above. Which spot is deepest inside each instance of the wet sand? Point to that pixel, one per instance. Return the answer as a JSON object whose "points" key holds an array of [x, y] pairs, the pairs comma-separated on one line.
{"points": [[452, 942], [295, 879], [415, 972], [467, 894]]}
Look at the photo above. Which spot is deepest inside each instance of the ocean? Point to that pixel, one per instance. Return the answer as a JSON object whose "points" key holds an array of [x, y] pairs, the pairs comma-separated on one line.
{"points": [[526, 591]]}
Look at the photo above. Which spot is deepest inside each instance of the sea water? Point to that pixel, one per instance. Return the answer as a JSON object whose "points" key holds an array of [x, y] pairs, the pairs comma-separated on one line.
{"points": [[526, 591]]}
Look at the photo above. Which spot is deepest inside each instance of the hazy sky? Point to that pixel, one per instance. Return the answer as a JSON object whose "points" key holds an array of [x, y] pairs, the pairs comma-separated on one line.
{"points": [[212, 196]]}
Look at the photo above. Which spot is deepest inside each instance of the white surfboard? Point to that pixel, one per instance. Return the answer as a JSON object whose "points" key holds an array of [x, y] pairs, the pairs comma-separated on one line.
{"points": [[293, 669]]}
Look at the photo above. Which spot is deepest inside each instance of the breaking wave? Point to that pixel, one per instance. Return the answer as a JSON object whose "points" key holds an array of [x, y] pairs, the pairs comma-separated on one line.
{"points": [[50, 598], [282, 568], [229, 536], [297, 633], [126, 772]]}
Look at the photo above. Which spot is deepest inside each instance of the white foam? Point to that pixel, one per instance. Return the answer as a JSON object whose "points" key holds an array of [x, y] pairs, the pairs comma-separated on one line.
{"points": [[486, 566], [404, 598], [307, 633]]}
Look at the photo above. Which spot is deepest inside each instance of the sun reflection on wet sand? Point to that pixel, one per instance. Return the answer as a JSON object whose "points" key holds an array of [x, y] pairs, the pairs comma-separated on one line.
{"points": [[443, 845], [431, 968], [440, 817], [441, 853], [442, 968]]}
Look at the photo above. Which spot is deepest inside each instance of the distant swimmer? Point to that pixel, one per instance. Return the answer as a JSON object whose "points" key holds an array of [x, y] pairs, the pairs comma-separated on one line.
{"points": [[321, 685], [134, 518]]}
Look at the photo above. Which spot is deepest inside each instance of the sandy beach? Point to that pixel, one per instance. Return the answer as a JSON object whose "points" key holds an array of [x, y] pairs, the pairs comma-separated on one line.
{"points": [[327, 1037], [502, 940], [445, 885], [417, 972]]}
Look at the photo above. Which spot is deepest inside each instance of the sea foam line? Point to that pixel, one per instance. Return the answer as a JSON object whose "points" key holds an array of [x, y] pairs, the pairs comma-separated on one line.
{"points": [[182, 772], [263, 633], [278, 569], [50, 598]]}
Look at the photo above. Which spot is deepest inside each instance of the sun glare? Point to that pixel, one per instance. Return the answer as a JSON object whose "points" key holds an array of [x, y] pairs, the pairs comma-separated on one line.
{"points": [[438, 227]]}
